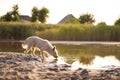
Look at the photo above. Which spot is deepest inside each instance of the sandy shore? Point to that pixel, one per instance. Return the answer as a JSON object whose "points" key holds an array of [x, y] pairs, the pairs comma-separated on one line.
{"points": [[17, 66]]}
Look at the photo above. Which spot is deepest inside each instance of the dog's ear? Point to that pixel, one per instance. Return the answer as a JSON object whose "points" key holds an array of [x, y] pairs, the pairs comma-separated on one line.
{"points": [[54, 47]]}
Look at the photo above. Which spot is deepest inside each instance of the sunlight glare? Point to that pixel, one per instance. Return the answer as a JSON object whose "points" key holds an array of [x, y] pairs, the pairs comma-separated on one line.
{"points": [[107, 61], [50, 59], [75, 65], [102, 63], [61, 61]]}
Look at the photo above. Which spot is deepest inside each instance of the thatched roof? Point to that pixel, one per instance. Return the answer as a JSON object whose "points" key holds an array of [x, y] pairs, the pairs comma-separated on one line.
{"points": [[25, 17], [66, 18]]}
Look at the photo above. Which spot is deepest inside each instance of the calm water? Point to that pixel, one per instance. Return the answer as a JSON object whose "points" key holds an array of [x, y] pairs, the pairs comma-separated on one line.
{"points": [[78, 55]]}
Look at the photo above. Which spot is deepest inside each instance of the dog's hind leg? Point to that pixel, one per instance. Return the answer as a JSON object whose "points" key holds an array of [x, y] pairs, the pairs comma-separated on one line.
{"points": [[33, 51]]}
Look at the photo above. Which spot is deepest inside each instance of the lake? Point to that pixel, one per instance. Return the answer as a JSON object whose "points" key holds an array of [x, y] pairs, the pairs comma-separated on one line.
{"points": [[78, 54]]}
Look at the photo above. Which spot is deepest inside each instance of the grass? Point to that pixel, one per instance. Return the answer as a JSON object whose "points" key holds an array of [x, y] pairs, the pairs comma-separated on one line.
{"points": [[71, 32]]}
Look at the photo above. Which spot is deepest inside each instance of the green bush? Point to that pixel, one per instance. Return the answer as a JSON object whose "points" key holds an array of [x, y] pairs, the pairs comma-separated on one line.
{"points": [[71, 32], [82, 33], [17, 30]]}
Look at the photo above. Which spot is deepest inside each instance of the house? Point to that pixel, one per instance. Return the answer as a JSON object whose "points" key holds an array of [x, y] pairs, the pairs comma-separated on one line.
{"points": [[25, 17], [67, 17]]}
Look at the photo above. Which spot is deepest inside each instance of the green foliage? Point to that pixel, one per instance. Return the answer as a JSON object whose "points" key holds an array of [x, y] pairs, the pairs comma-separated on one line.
{"points": [[39, 15], [86, 19], [34, 17], [72, 21], [7, 17], [101, 24], [43, 14], [117, 22], [18, 30], [73, 32], [11, 15], [79, 32], [15, 13]]}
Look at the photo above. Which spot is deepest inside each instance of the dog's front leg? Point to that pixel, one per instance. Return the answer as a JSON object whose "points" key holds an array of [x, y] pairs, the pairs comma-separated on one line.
{"points": [[26, 51], [42, 56]]}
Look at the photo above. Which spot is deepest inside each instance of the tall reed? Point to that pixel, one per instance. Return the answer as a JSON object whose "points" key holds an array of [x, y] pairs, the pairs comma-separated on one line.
{"points": [[73, 32]]}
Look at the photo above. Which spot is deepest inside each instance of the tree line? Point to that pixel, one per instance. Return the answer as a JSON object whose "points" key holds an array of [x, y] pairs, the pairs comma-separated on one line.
{"points": [[37, 14], [40, 15]]}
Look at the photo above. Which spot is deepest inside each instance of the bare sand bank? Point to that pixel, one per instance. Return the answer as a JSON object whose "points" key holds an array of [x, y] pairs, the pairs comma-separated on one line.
{"points": [[17, 66]]}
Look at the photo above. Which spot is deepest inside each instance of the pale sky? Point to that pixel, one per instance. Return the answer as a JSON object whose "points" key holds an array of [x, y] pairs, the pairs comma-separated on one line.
{"points": [[103, 10]]}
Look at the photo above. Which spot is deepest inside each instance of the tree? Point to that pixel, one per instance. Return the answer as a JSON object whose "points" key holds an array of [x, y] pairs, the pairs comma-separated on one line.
{"points": [[72, 21], [43, 14], [7, 17], [35, 13], [86, 19], [11, 15], [39, 15], [15, 13], [117, 22], [101, 24]]}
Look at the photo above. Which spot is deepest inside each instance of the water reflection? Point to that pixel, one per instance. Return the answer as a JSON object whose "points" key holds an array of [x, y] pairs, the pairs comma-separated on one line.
{"points": [[61, 60], [84, 56], [75, 65], [11, 47], [104, 62], [97, 63]]}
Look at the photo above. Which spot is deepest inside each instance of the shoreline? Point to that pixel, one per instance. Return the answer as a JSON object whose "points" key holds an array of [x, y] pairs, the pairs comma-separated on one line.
{"points": [[16, 66], [73, 42]]}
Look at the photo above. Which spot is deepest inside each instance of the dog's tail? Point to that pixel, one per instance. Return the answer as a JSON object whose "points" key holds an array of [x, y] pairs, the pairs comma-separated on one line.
{"points": [[24, 45]]}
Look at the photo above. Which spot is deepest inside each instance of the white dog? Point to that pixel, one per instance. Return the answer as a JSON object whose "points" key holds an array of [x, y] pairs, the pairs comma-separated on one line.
{"points": [[32, 43]]}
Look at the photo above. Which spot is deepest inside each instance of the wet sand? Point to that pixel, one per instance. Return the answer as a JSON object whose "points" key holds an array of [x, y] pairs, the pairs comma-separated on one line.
{"points": [[17, 66]]}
